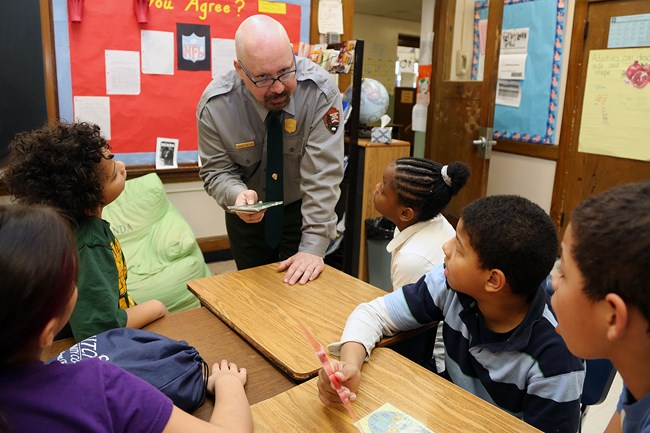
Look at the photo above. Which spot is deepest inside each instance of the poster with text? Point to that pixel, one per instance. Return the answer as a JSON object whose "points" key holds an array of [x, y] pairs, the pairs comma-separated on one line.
{"points": [[616, 105]]}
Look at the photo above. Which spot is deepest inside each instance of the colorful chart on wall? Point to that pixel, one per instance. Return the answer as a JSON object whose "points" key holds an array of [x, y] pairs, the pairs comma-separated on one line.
{"points": [[616, 105], [519, 115], [143, 81]]}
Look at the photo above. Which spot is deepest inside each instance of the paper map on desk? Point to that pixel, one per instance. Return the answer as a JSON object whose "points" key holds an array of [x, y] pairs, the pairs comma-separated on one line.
{"points": [[389, 419]]}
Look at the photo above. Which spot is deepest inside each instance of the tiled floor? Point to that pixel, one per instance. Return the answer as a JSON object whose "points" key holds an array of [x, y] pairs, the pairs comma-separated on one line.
{"points": [[597, 417], [222, 267]]}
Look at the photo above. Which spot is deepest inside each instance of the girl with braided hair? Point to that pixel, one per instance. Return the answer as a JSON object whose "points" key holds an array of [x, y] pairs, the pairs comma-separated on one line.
{"points": [[412, 194]]}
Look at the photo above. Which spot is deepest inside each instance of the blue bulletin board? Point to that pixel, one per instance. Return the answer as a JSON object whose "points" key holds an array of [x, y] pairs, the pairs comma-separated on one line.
{"points": [[545, 19]]}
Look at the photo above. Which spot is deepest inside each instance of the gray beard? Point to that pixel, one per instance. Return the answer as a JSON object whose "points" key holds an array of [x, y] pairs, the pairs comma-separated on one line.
{"points": [[276, 107]]}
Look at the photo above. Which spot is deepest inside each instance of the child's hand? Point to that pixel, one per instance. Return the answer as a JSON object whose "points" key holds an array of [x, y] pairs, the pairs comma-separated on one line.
{"points": [[348, 375], [224, 370]]}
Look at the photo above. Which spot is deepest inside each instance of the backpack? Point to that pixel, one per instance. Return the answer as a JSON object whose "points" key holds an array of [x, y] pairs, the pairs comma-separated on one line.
{"points": [[174, 367]]}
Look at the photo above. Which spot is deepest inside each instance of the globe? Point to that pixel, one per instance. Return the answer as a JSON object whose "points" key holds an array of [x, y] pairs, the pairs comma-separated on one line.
{"points": [[374, 100]]}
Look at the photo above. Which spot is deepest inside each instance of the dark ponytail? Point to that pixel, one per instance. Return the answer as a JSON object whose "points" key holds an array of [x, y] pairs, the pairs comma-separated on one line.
{"points": [[38, 265]]}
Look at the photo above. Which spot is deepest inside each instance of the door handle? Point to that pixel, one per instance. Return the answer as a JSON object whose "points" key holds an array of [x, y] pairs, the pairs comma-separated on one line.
{"points": [[485, 143], [482, 141]]}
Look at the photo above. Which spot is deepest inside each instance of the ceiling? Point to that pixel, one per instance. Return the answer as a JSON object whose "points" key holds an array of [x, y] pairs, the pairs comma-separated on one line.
{"points": [[407, 10]]}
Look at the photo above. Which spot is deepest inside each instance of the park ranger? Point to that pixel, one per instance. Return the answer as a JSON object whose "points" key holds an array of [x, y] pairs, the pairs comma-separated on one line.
{"points": [[271, 130]]}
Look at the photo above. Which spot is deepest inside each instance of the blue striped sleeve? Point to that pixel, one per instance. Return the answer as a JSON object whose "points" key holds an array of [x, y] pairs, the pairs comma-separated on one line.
{"points": [[419, 303]]}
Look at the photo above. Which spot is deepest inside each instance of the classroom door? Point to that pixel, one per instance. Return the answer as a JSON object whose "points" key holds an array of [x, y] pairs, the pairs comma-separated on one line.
{"points": [[463, 92], [579, 174]]}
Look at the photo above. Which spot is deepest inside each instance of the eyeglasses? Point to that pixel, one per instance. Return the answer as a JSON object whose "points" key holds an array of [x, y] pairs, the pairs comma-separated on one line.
{"points": [[269, 81]]}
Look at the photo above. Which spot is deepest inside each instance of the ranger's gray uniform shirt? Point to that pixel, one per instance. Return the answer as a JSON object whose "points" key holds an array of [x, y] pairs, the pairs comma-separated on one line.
{"points": [[232, 147]]}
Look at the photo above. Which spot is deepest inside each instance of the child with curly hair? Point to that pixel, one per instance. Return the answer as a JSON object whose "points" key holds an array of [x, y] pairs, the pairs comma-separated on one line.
{"points": [[70, 168]]}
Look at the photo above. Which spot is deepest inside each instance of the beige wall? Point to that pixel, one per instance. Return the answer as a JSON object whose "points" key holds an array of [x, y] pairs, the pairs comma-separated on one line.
{"points": [[199, 209], [522, 175], [379, 36]]}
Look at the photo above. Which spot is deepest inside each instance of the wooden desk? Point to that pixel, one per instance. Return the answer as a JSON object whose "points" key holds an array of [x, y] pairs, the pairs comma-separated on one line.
{"points": [[387, 378], [264, 310], [214, 341]]}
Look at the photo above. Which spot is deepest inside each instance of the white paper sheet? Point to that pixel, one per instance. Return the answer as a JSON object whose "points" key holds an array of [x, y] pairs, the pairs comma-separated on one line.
{"points": [[157, 52], [508, 93], [330, 16], [419, 117], [94, 109], [223, 55], [513, 53], [426, 49], [512, 66], [122, 72], [166, 153], [514, 41]]}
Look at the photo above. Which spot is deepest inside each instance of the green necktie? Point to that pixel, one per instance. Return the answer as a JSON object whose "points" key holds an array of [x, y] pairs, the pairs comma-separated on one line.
{"points": [[274, 216]]}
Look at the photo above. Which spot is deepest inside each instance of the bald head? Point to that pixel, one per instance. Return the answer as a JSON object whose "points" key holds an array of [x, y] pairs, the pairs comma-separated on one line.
{"points": [[263, 46], [260, 37]]}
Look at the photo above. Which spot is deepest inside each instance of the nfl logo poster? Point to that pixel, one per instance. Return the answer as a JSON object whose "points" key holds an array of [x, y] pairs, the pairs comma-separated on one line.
{"points": [[193, 45]]}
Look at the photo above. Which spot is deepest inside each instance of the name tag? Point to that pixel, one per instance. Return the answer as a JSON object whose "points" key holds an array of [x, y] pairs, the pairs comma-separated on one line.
{"points": [[244, 145]]}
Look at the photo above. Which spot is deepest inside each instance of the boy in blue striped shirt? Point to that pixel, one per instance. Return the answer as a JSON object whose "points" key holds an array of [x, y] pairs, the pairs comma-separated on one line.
{"points": [[498, 328]]}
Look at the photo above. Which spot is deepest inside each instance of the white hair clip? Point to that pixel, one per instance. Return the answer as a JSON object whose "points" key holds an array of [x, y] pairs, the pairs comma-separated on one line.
{"points": [[445, 176]]}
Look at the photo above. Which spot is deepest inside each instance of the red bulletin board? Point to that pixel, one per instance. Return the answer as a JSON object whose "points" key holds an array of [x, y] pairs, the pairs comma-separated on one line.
{"points": [[166, 105]]}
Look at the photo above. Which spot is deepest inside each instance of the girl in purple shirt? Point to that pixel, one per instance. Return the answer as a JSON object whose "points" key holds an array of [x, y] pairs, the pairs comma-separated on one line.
{"points": [[38, 264]]}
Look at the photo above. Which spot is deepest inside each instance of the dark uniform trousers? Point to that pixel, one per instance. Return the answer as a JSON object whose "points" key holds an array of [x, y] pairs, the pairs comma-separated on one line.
{"points": [[248, 244]]}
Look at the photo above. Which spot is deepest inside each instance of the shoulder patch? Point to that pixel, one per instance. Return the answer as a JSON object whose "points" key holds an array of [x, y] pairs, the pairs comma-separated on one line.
{"points": [[332, 120]]}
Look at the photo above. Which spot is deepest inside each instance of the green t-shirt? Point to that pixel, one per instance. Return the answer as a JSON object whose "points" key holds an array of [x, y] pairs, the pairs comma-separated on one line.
{"points": [[102, 294]]}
